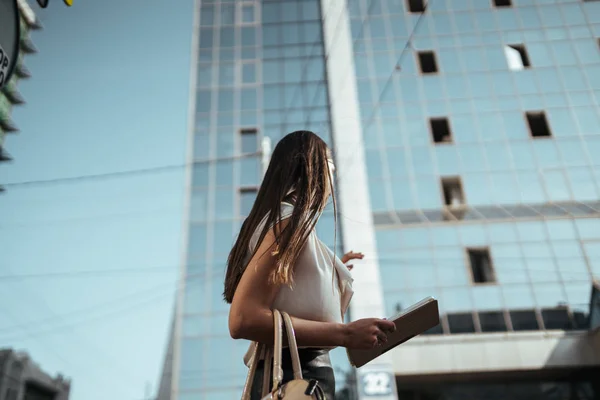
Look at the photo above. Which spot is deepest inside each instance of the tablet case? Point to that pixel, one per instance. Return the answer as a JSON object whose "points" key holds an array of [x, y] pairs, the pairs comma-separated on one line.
{"points": [[411, 322]]}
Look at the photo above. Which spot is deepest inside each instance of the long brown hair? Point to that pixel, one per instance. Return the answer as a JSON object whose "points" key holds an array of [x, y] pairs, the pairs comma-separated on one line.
{"points": [[299, 163]]}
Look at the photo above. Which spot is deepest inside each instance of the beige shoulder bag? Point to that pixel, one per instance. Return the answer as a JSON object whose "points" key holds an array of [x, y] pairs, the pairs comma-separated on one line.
{"points": [[298, 388]]}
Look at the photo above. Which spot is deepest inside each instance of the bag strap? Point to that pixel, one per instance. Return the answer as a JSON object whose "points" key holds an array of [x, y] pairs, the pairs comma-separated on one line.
{"points": [[268, 367], [283, 320], [252, 371], [277, 348], [293, 346], [279, 319]]}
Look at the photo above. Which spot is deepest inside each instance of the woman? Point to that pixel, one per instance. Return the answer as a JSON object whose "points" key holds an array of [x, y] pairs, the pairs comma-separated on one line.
{"points": [[279, 263]]}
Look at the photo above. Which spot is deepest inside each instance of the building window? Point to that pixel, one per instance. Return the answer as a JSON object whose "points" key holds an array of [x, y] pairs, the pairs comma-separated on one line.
{"points": [[461, 323], [249, 140], [427, 62], [248, 72], [436, 330], [502, 3], [247, 13], [440, 130], [492, 321], [481, 266], [581, 320], [525, 320], [516, 57], [557, 319], [453, 192], [538, 124], [416, 6], [247, 198]]}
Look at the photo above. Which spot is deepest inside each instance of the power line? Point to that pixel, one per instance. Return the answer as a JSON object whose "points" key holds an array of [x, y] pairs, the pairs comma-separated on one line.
{"points": [[51, 348], [118, 174], [161, 212], [389, 260], [87, 310], [87, 313], [80, 337], [88, 273], [358, 36], [121, 216], [397, 65], [318, 42], [107, 315]]}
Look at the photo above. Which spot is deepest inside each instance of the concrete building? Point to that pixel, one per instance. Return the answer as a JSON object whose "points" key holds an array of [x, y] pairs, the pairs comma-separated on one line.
{"points": [[465, 135], [9, 94], [23, 379]]}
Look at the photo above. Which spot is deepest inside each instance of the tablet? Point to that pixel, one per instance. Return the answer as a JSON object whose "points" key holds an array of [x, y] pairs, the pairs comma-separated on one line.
{"points": [[410, 322]]}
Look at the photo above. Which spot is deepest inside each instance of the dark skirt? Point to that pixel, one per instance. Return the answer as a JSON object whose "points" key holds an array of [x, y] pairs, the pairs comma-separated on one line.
{"points": [[316, 364]]}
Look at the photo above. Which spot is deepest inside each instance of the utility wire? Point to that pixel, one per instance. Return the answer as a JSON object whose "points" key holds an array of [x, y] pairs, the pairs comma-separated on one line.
{"points": [[398, 64], [366, 125], [118, 174], [360, 35], [86, 273], [160, 212], [52, 349], [107, 315], [316, 44], [88, 314], [140, 171], [87, 310], [398, 260], [80, 338]]}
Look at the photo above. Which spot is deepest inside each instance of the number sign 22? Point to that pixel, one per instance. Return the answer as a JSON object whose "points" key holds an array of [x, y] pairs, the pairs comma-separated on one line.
{"points": [[377, 384]]}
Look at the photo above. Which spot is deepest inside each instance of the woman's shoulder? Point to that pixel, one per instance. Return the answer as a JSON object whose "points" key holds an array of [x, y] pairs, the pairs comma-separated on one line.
{"points": [[286, 211]]}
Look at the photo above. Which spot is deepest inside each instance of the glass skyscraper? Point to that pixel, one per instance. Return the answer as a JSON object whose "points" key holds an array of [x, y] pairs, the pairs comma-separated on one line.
{"points": [[466, 135]]}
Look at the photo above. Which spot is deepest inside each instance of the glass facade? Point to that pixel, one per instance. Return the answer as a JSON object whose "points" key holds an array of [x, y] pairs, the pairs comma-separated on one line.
{"points": [[480, 149], [495, 209], [260, 73]]}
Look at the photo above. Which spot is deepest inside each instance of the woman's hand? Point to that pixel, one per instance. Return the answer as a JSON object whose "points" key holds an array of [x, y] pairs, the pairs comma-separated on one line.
{"points": [[351, 256], [368, 333]]}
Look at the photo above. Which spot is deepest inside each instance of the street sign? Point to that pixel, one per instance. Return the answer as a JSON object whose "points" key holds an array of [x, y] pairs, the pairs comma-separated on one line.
{"points": [[377, 384], [10, 32]]}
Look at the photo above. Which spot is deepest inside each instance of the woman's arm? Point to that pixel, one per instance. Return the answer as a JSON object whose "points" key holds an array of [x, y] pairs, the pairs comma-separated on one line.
{"points": [[251, 318]]}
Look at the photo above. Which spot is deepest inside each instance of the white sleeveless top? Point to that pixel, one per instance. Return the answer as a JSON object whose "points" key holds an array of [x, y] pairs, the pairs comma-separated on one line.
{"points": [[319, 293]]}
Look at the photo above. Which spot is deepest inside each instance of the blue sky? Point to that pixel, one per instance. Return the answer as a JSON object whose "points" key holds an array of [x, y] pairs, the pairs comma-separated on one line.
{"points": [[109, 92]]}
